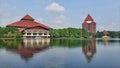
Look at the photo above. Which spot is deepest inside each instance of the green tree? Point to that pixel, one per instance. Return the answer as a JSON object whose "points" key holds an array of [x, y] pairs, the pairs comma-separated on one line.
{"points": [[10, 32], [69, 32]]}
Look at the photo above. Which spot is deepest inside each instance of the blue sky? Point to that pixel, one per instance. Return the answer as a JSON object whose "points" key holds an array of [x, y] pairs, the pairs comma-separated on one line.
{"points": [[63, 13]]}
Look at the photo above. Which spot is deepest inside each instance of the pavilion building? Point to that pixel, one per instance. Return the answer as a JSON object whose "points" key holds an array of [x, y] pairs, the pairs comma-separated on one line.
{"points": [[31, 28], [89, 25], [106, 33]]}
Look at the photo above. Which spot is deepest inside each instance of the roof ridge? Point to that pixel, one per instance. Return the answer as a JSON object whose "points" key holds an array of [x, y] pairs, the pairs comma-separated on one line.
{"points": [[27, 17], [89, 18]]}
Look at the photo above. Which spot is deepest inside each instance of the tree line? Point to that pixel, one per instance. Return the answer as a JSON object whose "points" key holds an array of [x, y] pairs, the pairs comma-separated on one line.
{"points": [[13, 32], [69, 32], [10, 32], [113, 34]]}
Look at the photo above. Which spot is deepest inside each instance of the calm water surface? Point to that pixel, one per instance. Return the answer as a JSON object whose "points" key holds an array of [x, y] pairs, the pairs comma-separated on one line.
{"points": [[60, 53]]}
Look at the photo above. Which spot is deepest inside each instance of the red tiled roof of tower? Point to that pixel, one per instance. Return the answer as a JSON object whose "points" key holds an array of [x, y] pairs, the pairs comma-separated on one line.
{"points": [[89, 18], [28, 22]]}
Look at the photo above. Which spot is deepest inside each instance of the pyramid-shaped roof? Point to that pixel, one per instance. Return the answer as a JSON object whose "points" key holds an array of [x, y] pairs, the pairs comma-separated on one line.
{"points": [[27, 17], [89, 18], [28, 22]]}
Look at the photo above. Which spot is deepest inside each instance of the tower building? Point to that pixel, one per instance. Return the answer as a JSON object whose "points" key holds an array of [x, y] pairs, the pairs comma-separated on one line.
{"points": [[89, 25]]}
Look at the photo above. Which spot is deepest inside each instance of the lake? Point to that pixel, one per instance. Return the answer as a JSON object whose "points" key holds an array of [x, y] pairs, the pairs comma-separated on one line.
{"points": [[60, 53]]}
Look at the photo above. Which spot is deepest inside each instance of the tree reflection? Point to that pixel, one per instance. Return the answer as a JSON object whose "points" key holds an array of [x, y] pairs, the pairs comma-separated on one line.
{"points": [[10, 43], [88, 45], [71, 43]]}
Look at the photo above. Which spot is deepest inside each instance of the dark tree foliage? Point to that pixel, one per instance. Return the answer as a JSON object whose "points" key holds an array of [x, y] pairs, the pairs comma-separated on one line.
{"points": [[113, 34], [69, 32], [9, 32]]}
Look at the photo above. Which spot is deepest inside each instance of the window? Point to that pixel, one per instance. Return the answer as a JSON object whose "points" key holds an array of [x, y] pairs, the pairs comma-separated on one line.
{"points": [[28, 33], [40, 33], [34, 33], [45, 33], [88, 27]]}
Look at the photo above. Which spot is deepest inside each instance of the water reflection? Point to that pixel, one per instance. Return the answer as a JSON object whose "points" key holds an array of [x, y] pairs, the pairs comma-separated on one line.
{"points": [[26, 48], [69, 43], [31, 47], [10, 44], [88, 45], [59, 53], [108, 42], [90, 49], [36, 43], [105, 41]]}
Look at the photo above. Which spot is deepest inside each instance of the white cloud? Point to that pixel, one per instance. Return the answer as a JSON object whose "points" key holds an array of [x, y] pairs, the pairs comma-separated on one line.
{"points": [[55, 7], [60, 19]]}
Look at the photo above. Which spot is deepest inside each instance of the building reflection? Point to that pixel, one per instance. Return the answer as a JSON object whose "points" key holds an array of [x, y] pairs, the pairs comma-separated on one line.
{"points": [[31, 47], [89, 49], [105, 41]]}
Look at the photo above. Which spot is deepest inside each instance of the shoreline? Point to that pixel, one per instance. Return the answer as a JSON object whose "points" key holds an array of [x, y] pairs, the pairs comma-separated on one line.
{"points": [[10, 38]]}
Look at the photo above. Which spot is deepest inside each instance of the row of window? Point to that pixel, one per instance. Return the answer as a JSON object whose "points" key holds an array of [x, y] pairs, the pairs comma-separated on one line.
{"points": [[36, 33]]}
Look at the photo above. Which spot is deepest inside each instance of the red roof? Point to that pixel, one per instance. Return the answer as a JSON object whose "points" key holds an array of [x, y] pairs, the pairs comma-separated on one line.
{"points": [[27, 17], [28, 22], [89, 18], [105, 32]]}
